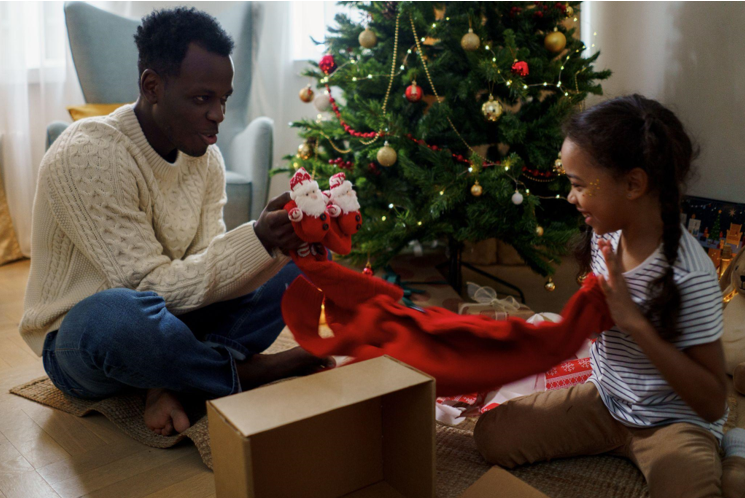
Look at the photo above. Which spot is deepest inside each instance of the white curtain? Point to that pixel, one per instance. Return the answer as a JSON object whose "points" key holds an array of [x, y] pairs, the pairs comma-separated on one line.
{"points": [[37, 82]]}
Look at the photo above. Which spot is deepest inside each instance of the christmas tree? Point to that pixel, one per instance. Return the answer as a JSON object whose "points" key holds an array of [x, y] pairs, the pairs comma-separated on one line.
{"points": [[450, 123], [716, 230]]}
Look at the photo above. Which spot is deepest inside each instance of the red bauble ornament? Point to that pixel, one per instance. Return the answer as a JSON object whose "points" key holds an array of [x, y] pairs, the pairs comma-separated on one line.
{"points": [[327, 64], [514, 11], [538, 14], [368, 270], [414, 92], [520, 68]]}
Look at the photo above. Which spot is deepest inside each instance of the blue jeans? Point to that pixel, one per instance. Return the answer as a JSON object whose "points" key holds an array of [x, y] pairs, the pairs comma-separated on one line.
{"points": [[120, 339]]}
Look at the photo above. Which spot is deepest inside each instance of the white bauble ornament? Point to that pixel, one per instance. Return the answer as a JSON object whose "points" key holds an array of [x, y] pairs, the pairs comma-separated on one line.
{"points": [[517, 198], [322, 102]]}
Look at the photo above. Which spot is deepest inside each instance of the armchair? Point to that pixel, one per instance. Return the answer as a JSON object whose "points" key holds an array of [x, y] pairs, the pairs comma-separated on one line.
{"points": [[105, 58]]}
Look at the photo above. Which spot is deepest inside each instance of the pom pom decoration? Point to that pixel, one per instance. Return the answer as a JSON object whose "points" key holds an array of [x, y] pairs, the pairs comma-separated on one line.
{"points": [[520, 68], [327, 64]]}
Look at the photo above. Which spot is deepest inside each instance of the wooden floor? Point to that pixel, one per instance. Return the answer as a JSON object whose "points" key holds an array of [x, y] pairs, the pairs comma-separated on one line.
{"points": [[47, 453]]}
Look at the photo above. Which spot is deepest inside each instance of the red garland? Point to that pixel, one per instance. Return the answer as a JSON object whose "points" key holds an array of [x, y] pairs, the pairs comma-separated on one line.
{"points": [[342, 164], [353, 132], [537, 173]]}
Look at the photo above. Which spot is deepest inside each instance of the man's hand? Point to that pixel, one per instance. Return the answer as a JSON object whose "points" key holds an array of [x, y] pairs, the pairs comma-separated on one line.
{"points": [[274, 228]]}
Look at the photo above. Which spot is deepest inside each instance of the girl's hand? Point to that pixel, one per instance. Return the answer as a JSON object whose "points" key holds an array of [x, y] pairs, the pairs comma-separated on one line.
{"points": [[623, 310]]}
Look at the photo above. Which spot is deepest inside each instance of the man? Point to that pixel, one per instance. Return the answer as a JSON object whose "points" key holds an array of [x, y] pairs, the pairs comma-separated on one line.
{"points": [[134, 281]]}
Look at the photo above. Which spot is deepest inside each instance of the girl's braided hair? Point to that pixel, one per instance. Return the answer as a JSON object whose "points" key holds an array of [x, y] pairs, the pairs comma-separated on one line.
{"points": [[635, 132]]}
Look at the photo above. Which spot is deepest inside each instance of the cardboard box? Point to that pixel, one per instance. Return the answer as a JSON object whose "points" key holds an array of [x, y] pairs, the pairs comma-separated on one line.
{"points": [[361, 431], [498, 482], [488, 310]]}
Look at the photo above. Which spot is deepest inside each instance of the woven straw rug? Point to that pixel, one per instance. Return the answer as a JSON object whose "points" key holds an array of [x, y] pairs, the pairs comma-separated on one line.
{"points": [[458, 462]]}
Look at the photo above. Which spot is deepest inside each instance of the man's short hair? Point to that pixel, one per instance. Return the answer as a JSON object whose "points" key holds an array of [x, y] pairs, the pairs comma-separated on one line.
{"points": [[164, 37]]}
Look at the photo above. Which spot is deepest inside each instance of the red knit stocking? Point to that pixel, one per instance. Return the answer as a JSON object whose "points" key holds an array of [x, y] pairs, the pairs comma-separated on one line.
{"points": [[464, 353]]}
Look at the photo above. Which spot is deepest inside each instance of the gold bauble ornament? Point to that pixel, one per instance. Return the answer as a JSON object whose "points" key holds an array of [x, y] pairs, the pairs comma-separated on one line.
{"points": [[387, 155], [470, 41], [368, 38], [581, 279], [559, 167], [305, 151], [306, 94], [492, 109], [539, 231], [569, 11], [550, 285], [477, 189], [555, 41]]}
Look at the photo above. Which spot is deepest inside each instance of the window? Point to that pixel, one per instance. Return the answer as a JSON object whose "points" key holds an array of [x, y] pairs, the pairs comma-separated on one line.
{"points": [[310, 20]]}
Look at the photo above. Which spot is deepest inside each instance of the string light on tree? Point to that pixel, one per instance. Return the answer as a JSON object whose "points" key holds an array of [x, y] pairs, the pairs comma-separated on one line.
{"points": [[306, 94], [387, 155]]}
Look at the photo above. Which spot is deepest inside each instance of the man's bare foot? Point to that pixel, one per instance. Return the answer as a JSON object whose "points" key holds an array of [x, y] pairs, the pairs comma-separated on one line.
{"points": [[164, 413], [261, 369]]}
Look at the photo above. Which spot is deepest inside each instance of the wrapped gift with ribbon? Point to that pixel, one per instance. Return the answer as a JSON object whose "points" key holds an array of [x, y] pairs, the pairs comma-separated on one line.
{"points": [[487, 303]]}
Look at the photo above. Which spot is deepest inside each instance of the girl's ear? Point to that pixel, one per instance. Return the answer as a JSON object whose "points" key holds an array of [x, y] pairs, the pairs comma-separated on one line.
{"points": [[637, 183]]}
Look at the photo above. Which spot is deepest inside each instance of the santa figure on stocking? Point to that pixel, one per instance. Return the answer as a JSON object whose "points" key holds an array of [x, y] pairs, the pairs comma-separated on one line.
{"points": [[307, 209], [344, 210]]}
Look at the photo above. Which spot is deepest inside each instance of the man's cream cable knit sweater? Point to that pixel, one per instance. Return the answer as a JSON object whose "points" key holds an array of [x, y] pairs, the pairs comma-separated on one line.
{"points": [[110, 212]]}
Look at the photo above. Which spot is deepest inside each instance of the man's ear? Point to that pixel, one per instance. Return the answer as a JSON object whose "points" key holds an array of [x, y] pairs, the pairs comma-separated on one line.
{"points": [[637, 183], [151, 86]]}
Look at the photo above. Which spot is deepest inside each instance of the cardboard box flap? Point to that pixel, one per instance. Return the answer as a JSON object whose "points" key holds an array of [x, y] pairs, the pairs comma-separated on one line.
{"points": [[316, 394], [498, 482]]}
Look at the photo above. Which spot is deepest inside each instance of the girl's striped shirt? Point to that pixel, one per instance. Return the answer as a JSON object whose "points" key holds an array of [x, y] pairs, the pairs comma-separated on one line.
{"points": [[630, 385]]}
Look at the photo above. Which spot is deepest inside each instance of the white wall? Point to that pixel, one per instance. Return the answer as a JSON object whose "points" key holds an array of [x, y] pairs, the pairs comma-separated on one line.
{"points": [[691, 57]]}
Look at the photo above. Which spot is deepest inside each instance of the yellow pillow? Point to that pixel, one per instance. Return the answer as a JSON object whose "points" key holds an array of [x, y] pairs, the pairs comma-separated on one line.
{"points": [[91, 110]]}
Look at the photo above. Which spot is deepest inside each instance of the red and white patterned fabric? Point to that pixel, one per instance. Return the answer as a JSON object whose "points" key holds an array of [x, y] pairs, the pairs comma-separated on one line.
{"points": [[453, 410]]}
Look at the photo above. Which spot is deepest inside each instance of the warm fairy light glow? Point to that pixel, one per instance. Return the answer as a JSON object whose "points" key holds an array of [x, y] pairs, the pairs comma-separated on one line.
{"points": [[383, 218], [442, 192], [390, 206]]}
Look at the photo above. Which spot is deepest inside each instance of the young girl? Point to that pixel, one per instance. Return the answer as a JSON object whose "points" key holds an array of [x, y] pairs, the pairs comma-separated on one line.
{"points": [[657, 394]]}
